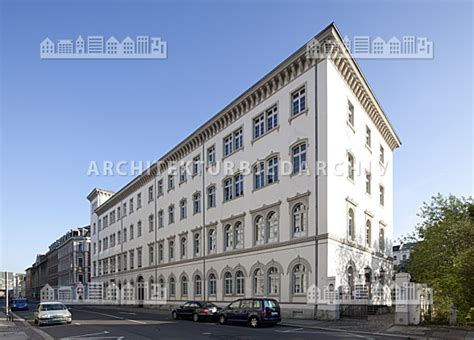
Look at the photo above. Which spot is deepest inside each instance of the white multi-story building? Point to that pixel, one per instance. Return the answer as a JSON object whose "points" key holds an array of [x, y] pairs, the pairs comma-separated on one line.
{"points": [[222, 236]]}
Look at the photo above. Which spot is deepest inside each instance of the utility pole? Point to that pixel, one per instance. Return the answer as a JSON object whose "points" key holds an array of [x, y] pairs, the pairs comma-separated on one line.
{"points": [[6, 295]]}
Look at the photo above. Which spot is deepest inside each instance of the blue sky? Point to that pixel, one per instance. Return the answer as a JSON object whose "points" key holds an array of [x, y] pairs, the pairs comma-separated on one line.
{"points": [[57, 116]]}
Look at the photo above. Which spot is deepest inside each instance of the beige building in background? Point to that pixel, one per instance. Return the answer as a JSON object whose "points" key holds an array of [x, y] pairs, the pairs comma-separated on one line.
{"points": [[225, 236]]}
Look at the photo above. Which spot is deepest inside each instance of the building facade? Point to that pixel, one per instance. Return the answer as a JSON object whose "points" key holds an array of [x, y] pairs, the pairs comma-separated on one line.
{"points": [[67, 263], [315, 209]]}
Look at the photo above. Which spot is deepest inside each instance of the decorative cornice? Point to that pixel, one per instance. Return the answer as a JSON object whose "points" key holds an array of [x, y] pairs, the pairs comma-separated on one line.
{"points": [[233, 217], [298, 196], [265, 207], [291, 68]]}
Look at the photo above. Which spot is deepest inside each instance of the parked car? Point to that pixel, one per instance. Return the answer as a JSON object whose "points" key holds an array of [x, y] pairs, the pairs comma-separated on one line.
{"points": [[19, 304], [196, 310], [252, 311], [52, 312]]}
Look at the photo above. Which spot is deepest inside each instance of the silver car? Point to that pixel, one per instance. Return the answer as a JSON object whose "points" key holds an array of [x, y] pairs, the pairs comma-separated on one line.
{"points": [[52, 312]]}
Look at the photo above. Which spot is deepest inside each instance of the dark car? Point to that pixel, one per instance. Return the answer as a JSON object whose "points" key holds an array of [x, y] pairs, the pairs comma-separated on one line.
{"points": [[254, 312], [196, 310], [19, 304]]}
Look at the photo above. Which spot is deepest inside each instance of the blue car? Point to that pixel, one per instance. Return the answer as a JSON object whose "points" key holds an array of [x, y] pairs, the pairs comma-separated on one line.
{"points": [[19, 304], [254, 312]]}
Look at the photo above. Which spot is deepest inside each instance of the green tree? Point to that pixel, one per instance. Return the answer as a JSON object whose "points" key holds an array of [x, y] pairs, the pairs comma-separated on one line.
{"points": [[444, 256]]}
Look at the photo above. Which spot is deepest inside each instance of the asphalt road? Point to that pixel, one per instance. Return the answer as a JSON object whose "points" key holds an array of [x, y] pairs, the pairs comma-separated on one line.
{"points": [[102, 322]]}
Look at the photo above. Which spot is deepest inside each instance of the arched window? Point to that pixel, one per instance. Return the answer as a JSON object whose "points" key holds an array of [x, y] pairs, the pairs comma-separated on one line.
{"points": [[350, 278], [228, 283], [272, 227], [172, 287], [299, 158], [299, 219], [184, 286], [272, 170], [350, 166], [368, 233], [197, 285], [239, 283], [259, 227], [171, 250], [184, 246], [273, 281], [212, 284], [212, 241], [162, 288], [382, 238], [197, 244], [258, 282], [299, 279], [238, 235], [228, 237], [350, 224], [160, 252]]}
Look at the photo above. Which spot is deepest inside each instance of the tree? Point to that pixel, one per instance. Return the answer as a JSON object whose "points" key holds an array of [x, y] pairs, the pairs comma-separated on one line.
{"points": [[444, 255]]}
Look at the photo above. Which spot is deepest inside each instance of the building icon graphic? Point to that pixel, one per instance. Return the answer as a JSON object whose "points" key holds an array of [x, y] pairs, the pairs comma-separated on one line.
{"points": [[378, 46], [361, 44], [95, 44], [409, 44], [394, 46], [98, 47], [65, 47], [80, 45], [142, 44]]}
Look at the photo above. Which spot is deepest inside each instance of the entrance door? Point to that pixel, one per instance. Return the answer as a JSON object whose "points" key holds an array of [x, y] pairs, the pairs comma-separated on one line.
{"points": [[141, 290]]}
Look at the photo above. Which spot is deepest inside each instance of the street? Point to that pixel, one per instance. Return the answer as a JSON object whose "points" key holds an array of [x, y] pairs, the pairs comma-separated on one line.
{"points": [[103, 322]]}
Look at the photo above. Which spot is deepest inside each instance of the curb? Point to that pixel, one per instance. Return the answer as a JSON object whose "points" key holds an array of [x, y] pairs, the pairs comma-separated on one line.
{"points": [[348, 331], [25, 323]]}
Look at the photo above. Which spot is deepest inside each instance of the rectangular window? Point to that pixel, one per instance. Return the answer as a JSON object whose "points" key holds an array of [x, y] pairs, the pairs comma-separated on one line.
{"points": [[131, 232], [171, 214], [259, 126], [182, 174], [228, 189], [124, 209], [239, 185], [150, 193], [182, 209], [196, 164], [125, 235], [130, 208], [259, 175], [298, 101], [151, 255], [197, 203], [368, 137], [350, 113], [211, 196], [272, 118], [139, 200], [299, 158], [228, 145], [382, 195], [211, 155], [151, 223], [160, 219], [272, 170], [368, 184], [382, 155], [170, 182], [139, 257], [132, 259], [238, 139], [160, 187], [119, 216]]}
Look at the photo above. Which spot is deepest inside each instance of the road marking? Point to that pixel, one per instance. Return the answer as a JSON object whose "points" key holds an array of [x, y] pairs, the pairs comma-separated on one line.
{"points": [[114, 316], [291, 330], [25, 323], [90, 334], [128, 313]]}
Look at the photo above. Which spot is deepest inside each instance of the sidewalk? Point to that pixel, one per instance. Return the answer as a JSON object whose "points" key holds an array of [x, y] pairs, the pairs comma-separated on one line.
{"points": [[9, 330], [383, 325]]}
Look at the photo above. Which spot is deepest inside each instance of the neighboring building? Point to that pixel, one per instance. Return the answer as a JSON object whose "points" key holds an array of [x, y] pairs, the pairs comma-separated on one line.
{"points": [[220, 237], [80, 45], [128, 46], [143, 45], [67, 263], [47, 47], [112, 46], [6, 280], [95, 44], [401, 256], [65, 47]]}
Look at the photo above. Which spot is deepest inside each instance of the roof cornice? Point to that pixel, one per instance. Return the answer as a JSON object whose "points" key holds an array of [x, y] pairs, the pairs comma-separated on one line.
{"points": [[291, 68]]}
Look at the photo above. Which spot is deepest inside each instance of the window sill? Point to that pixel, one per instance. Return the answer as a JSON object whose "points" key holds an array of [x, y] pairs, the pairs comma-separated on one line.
{"points": [[368, 147], [296, 115], [232, 199], [351, 126], [232, 153], [351, 180], [265, 134]]}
